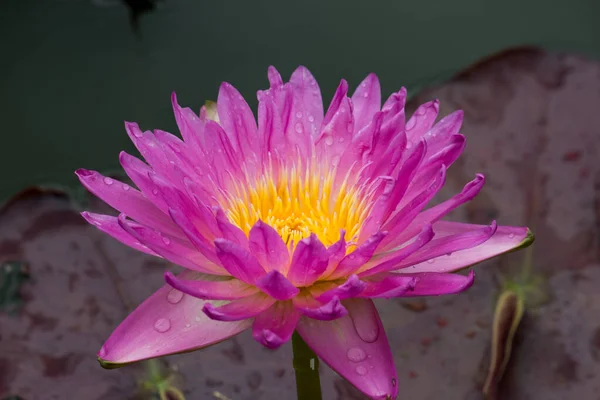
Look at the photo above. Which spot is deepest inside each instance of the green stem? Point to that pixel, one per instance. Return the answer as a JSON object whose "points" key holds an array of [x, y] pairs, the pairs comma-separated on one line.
{"points": [[306, 366]]}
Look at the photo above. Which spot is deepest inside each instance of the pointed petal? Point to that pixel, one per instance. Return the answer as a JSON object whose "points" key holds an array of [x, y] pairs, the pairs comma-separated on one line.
{"points": [[366, 101], [238, 261], [435, 213], [110, 225], [277, 286], [139, 173], [206, 287], [422, 120], [358, 349], [190, 126], [229, 231], [336, 253], [442, 245], [505, 239], [309, 261], [363, 253], [270, 127], [125, 199], [241, 309], [178, 251], [407, 213], [237, 120], [275, 326], [351, 288], [308, 105], [202, 246], [389, 285], [164, 325], [311, 308], [393, 258], [268, 247]]}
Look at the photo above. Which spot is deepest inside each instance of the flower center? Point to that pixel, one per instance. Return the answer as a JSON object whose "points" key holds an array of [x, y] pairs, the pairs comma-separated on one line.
{"points": [[297, 203]]}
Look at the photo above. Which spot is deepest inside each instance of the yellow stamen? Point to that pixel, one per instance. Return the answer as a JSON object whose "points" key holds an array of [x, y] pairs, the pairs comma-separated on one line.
{"points": [[297, 201]]}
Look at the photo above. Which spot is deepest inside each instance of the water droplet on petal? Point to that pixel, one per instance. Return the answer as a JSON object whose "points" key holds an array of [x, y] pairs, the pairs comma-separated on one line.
{"points": [[166, 240], [125, 187], [394, 382], [356, 354], [329, 140], [411, 124], [298, 114], [108, 181], [430, 261], [162, 325], [311, 118], [299, 127], [198, 318], [511, 235], [408, 145], [362, 371], [188, 325], [365, 322], [335, 160], [155, 191], [366, 94], [174, 296]]}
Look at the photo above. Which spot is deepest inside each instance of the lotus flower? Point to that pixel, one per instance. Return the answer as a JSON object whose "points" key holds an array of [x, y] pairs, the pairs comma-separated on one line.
{"points": [[294, 223]]}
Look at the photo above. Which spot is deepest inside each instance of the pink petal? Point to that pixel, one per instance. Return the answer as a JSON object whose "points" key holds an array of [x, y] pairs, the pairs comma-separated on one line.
{"points": [[237, 120], [357, 348], [139, 173], [199, 215], [238, 261], [363, 253], [505, 239], [177, 250], [422, 120], [448, 244], [207, 287], [434, 213], [160, 159], [311, 308], [127, 200], [399, 221], [359, 148], [241, 309], [277, 286], [386, 286], [387, 202], [393, 258], [309, 261], [229, 231], [366, 101], [268, 247], [337, 133], [220, 151], [110, 225], [202, 246], [440, 133], [336, 252], [396, 101], [190, 126], [168, 322], [270, 127], [390, 285], [275, 326], [351, 288], [308, 105]]}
